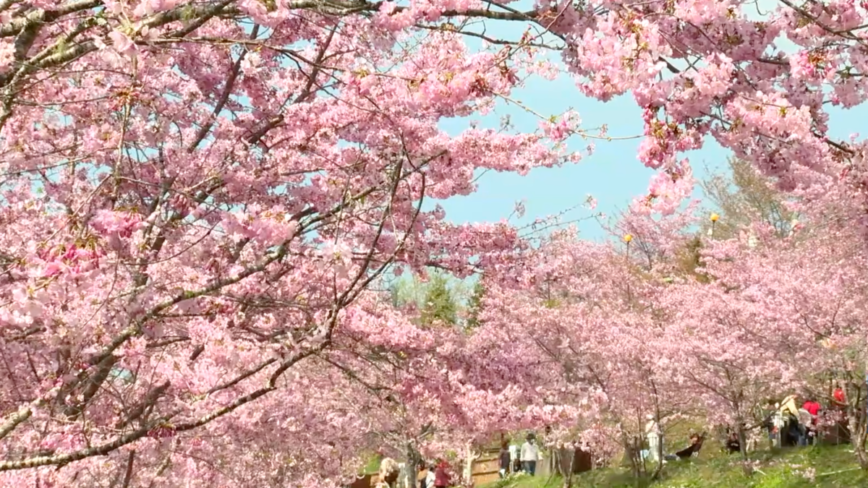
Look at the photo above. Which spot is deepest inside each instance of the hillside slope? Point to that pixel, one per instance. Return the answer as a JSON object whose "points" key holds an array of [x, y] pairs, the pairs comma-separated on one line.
{"points": [[823, 467]]}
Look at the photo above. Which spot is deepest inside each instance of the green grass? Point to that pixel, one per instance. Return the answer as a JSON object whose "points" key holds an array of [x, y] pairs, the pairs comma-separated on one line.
{"points": [[834, 467], [373, 464]]}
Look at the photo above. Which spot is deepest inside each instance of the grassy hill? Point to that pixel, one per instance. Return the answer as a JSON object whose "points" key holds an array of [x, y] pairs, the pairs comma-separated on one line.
{"points": [[832, 467]]}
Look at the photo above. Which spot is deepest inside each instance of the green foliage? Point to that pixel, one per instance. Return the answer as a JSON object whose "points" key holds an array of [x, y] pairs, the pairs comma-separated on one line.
{"points": [[372, 465], [407, 291], [507, 482], [475, 305], [688, 260], [440, 305], [744, 196], [442, 299]]}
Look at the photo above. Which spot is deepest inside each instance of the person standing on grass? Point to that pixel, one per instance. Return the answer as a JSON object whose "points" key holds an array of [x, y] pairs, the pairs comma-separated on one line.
{"points": [[779, 423], [805, 420], [789, 410], [514, 458], [529, 455], [422, 476], [768, 422], [733, 444], [504, 460], [442, 476], [430, 477], [812, 406], [655, 439]]}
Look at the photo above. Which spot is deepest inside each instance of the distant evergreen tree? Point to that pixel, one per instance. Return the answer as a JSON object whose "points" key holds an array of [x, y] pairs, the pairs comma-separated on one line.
{"points": [[474, 307], [439, 304]]}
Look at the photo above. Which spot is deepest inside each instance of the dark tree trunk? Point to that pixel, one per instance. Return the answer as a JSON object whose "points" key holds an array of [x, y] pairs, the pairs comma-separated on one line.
{"points": [[566, 465]]}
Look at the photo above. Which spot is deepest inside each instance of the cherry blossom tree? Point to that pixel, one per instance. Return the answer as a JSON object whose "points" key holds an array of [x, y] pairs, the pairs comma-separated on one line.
{"points": [[764, 100], [805, 294], [589, 322], [197, 196], [196, 199]]}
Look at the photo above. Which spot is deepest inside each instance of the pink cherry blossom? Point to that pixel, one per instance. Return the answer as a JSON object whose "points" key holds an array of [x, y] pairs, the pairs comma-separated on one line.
{"points": [[200, 200]]}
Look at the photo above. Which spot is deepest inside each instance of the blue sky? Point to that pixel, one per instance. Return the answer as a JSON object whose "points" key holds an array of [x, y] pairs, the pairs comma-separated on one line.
{"points": [[612, 174]]}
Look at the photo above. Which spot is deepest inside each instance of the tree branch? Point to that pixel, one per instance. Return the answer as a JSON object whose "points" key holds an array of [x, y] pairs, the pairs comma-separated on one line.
{"points": [[128, 476], [15, 420], [40, 16], [242, 376], [92, 387], [149, 401], [224, 97]]}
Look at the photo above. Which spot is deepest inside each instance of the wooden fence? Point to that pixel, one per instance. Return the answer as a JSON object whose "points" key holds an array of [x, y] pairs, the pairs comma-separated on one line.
{"points": [[486, 469]]}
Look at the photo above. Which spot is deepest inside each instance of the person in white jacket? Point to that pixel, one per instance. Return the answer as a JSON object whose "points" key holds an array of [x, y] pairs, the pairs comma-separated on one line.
{"points": [[429, 478], [529, 455], [655, 439], [514, 460]]}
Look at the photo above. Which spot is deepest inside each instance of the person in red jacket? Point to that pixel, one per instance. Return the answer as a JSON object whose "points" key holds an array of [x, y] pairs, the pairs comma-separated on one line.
{"points": [[442, 475], [839, 397], [813, 408]]}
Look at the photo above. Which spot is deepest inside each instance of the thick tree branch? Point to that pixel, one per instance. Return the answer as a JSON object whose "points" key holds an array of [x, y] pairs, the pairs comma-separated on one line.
{"points": [[129, 438], [40, 16], [92, 386], [242, 376], [15, 420], [148, 402], [63, 459], [128, 474]]}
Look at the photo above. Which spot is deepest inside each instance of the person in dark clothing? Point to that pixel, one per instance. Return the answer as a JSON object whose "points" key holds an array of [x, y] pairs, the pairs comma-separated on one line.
{"points": [[504, 460], [768, 423], [422, 476], [789, 412], [733, 445], [696, 441], [791, 432]]}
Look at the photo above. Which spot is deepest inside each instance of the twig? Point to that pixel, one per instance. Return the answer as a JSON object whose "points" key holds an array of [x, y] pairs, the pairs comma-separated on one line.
{"points": [[832, 473]]}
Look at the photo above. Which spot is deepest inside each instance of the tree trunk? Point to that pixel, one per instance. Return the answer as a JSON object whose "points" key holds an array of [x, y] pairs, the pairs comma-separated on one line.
{"points": [[468, 465], [553, 462], [742, 447], [414, 460], [856, 418], [858, 436], [634, 455], [566, 464]]}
